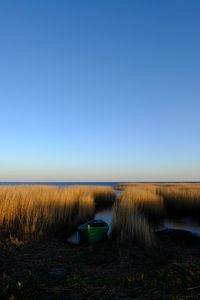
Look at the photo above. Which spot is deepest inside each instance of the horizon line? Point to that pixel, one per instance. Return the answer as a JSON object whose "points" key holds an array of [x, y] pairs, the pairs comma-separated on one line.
{"points": [[118, 181]]}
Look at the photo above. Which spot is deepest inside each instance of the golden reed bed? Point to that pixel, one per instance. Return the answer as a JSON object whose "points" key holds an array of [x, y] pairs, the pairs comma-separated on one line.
{"points": [[30, 212], [136, 214]]}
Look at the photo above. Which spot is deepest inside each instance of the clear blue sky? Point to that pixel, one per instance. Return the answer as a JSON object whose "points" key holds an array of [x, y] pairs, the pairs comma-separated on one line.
{"points": [[99, 90]]}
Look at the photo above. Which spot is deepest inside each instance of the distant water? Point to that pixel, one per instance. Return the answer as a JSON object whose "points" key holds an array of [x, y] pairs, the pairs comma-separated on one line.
{"points": [[62, 184]]}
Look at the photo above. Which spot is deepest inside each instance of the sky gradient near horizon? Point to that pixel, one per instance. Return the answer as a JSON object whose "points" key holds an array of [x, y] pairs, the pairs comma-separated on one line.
{"points": [[102, 90]]}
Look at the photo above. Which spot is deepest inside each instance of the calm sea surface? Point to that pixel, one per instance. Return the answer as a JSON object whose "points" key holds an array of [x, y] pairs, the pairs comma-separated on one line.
{"points": [[61, 183]]}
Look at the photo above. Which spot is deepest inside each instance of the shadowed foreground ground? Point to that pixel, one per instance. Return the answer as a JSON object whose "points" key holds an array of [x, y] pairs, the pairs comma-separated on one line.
{"points": [[52, 269]]}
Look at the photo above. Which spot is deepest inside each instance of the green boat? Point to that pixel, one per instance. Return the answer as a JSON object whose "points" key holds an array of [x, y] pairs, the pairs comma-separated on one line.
{"points": [[93, 231]]}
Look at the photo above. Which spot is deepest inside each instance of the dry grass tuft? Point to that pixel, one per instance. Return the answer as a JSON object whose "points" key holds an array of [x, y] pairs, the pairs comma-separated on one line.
{"points": [[132, 212], [129, 225]]}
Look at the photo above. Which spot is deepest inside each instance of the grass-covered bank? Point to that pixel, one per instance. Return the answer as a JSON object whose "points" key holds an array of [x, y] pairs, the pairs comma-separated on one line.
{"points": [[108, 270]]}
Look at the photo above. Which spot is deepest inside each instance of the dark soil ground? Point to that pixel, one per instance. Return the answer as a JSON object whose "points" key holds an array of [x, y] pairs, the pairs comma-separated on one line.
{"points": [[53, 269]]}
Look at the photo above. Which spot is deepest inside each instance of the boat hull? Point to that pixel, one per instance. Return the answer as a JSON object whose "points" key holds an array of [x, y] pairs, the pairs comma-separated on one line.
{"points": [[92, 234]]}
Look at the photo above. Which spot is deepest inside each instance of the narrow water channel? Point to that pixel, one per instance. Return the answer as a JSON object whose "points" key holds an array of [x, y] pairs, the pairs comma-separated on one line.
{"points": [[106, 214], [189, 224]]}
